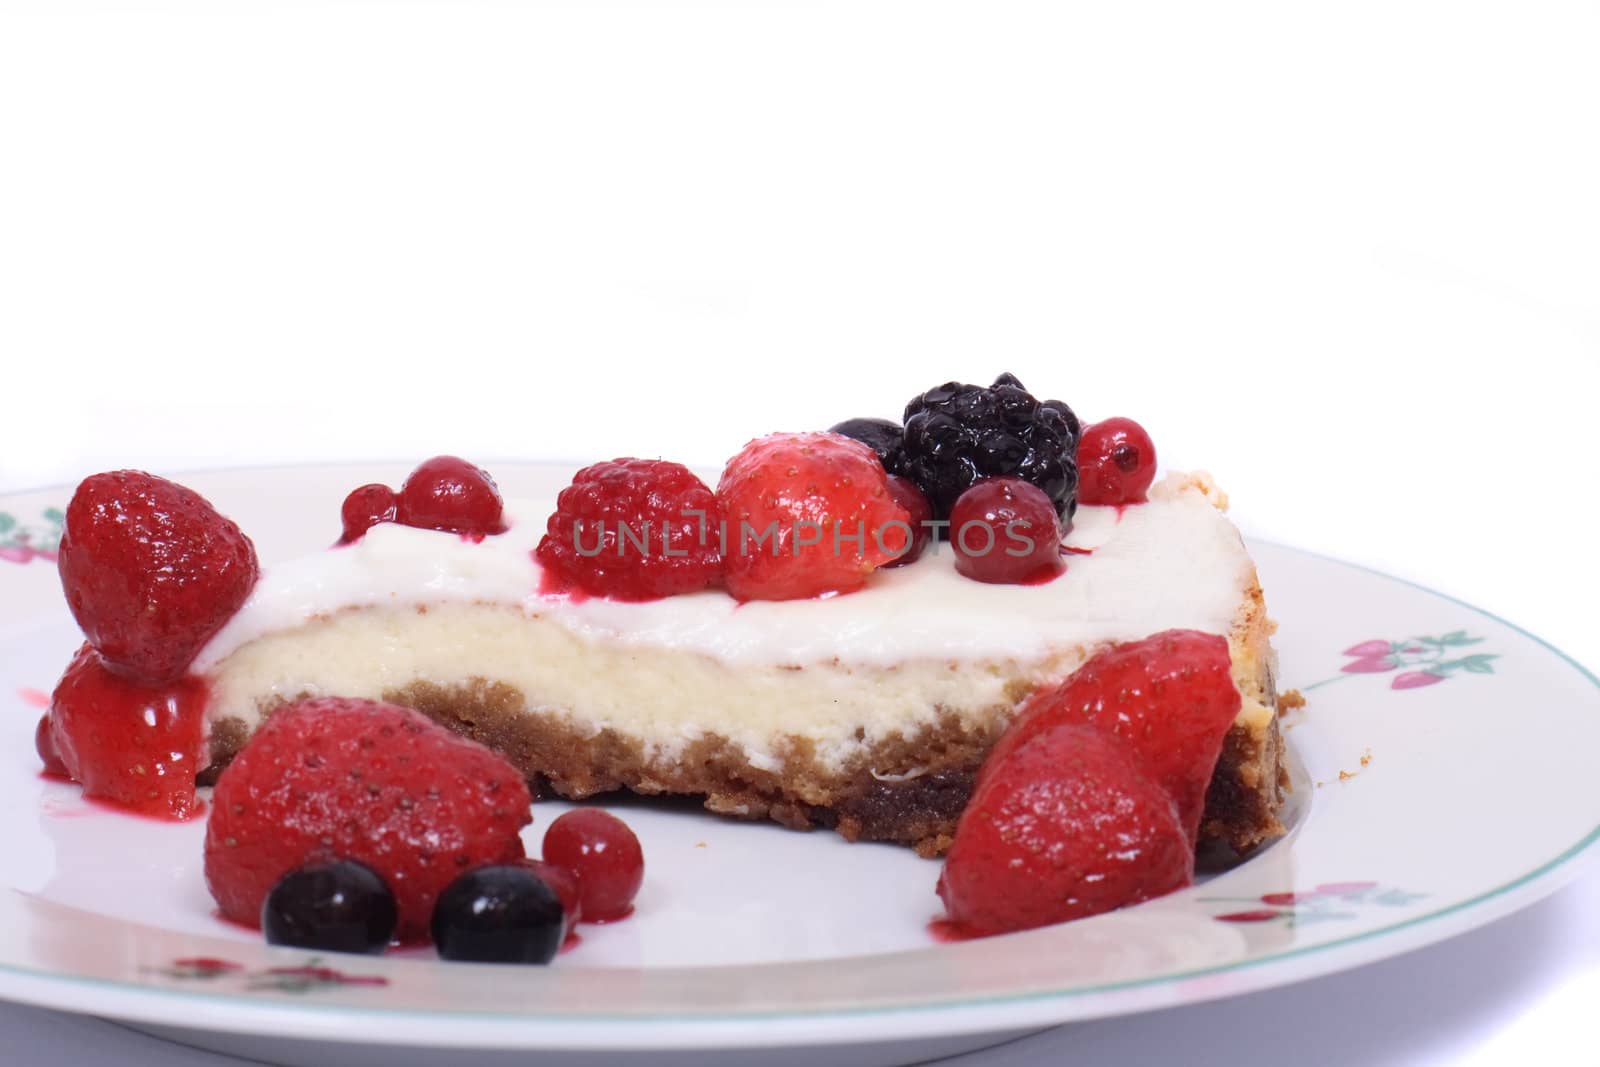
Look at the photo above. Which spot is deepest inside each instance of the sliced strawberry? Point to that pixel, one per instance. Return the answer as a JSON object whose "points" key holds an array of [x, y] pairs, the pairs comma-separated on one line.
{"points": [[1170, 698], [151, 571], [1063, 828]]}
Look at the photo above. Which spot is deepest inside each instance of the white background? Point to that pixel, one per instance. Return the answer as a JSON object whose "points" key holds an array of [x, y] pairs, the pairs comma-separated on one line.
{"points": [[1347, 256]]}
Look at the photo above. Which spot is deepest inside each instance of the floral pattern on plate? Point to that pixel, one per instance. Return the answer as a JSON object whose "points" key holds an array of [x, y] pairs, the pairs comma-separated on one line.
{"points": [[1328, 901], [23, 543], [1428, 660]]}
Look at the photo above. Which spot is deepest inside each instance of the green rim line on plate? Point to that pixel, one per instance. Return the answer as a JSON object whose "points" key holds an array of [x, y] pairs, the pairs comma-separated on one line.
{"points": [[1069, 993]]}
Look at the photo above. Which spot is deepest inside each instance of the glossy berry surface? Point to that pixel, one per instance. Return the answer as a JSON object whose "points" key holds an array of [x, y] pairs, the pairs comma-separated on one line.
{"points": [[1169, 697], [883, 436], [604, 854], [379, 784], [448, 493], [151, 571], [1116, 463], [330, 907], [44, 744], [565, 883], [365, 508], [635, 529], [957, 435], [1005, 531], [918, 516], [133, 745], [807, 514], [499, 914], [1063, 827]]}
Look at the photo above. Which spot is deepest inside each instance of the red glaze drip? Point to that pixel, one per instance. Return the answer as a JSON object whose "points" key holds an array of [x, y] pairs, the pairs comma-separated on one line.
{"points": [[130, 745], [947, 932], [574, 939], [552, 584], [1070, 550], [1045, 575]]}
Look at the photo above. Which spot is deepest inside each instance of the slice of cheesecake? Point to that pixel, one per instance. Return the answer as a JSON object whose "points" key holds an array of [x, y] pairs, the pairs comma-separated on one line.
{"points": [[869, 712]]}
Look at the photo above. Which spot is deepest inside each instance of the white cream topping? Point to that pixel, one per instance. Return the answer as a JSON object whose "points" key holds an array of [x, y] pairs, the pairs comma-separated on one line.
{"points": [[1174, 562]]}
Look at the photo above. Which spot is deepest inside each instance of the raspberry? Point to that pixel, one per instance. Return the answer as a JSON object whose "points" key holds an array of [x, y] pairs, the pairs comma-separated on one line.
{"points": [[364, 508], [151, 571], [334, 779], [132, 745], [1116, 463], [448, 493], [604, 855], [918, 513], [634, 529], [1170, 698], [1005, 531], [806, 514], [1063, 828], [957, 435]]}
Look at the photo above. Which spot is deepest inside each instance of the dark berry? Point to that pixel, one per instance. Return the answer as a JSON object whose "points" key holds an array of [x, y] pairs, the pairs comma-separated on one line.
{"points": [[915, 501], [448, 493], [331, 907], [881, 435], [45, 745], [1116, 462], [635, 529], [364, 508], [1005, 531], [957, 435], [600, 849], [505, 914]]}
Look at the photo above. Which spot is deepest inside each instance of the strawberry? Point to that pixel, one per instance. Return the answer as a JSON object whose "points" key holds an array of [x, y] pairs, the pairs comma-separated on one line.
{"points": [[806, 514], [151, 571], [331, 778], [130, 744], [1170, 698], [1063, 828]]}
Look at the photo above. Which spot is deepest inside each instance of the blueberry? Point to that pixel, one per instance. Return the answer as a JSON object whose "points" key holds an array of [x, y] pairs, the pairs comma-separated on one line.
{"points": [[332, 907], [880, 435], [499, 915]]}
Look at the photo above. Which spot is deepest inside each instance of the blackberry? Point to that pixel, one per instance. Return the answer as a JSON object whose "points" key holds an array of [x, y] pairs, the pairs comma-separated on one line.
{"points": [[881, 435], [957, 435]]}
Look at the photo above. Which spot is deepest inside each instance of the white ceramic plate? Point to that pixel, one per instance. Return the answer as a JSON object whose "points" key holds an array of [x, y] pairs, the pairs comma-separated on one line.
{"points": [[1444, 778]]}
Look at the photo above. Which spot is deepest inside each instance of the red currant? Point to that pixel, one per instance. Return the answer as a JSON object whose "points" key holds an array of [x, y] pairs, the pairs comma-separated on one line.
{"points": [[602, 852], [1005, 531], [45, 745], [566, 885], [1116, 463], [364, 508], [919, 512], [448, 493]]}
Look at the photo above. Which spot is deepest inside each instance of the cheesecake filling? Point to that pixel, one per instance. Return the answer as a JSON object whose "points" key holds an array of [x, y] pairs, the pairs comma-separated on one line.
{"points": [[918, 645]]}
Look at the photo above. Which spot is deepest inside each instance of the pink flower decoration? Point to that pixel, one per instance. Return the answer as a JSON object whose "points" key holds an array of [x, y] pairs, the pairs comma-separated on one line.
{"points": [[16, 553], [1415, 679], [1260, 915], [1370, 665], [1339, 889], [1368, 648]]}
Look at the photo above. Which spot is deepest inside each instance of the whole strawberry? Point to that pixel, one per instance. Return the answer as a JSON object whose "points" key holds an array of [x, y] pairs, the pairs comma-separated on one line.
{"points": [[1063, 828], [151, 571], [807, 514], [635, 529], [1169, 697], [336, 779]]}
